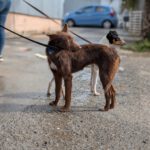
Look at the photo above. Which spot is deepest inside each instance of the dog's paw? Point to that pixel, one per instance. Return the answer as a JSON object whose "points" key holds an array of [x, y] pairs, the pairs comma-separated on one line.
{"points": [[112, 106], [106, 108], [64, 109], [53, 103], [48, 94], [96, 94]]}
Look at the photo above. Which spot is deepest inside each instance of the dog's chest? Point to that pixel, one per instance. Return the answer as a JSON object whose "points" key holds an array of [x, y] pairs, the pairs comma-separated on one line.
{"points": [[53, 66]]}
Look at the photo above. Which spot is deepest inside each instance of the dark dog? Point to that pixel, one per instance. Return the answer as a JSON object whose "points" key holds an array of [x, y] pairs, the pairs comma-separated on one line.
{"points": [[63, 63], [110, 39]]}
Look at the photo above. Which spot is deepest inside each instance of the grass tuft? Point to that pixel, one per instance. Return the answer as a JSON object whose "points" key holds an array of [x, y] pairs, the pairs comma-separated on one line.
{"points": [[140, 46]]}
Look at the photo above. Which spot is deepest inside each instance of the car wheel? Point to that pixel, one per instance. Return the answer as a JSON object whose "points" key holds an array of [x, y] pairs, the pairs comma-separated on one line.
{"points": [[71, 23], [107, 24]]}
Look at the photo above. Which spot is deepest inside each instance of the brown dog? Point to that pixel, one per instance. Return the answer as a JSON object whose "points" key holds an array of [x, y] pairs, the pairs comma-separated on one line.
{"points": [[110, 39], [63, 63]]}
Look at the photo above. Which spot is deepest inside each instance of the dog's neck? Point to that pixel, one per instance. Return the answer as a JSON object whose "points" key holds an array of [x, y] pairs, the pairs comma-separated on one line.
{"points": [[105, 41]]}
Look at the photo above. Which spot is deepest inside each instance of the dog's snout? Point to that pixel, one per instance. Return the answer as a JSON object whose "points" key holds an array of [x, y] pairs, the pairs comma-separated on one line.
{"points": [[123, 42]]}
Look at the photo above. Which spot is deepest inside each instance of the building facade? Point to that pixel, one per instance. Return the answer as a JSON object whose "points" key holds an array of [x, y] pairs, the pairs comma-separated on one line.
{"points": [[23, 18]]}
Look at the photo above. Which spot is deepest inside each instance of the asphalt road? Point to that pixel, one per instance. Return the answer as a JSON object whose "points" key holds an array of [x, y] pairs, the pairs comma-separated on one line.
{"points": [[27, 122]]}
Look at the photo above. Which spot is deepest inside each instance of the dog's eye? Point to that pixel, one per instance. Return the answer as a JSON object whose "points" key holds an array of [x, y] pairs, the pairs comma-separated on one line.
{"points": [[117, 39]]}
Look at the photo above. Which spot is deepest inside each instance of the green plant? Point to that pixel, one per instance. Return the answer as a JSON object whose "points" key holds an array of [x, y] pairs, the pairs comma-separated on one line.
{"points": [[140, 46], [130, 4]]}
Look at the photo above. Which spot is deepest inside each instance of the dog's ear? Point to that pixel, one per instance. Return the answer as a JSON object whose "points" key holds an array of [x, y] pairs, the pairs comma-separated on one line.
{"points": [[48, 35], [109, 37], [51, 36], [65, 28]]}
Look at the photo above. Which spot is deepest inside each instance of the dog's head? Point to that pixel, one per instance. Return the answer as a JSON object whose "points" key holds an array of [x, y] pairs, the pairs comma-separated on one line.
{"points": [[114, 38], [63, 40]]}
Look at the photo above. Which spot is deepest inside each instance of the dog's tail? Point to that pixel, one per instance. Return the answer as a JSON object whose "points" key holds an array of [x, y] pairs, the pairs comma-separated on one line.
{"points": [[112, 73], [41, 56]]}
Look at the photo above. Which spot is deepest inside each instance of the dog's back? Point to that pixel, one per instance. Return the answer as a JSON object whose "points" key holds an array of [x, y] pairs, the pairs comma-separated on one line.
{"points": [[98, 54], [100, 49]]}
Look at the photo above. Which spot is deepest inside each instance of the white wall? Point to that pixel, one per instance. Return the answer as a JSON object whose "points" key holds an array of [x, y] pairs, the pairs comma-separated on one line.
{"points": [[53, 8], [116, 4]]}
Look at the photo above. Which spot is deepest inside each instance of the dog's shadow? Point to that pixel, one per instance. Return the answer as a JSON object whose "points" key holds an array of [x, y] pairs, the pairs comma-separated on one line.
{"points": [[21, 96], [37, 103], [44, 108]]}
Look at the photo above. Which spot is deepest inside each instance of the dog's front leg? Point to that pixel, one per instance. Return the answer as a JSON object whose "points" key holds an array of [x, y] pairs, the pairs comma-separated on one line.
{"points": [[49, 87], [94, 76], [68, 90], [91, 82], [58, 85]]}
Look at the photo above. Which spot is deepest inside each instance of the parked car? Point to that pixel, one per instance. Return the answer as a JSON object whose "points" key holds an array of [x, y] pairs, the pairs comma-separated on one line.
{"points": [[96, 15]]}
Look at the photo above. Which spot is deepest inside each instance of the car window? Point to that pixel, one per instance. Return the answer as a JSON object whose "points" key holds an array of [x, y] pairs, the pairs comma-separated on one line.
{"points": [[100, 9], [87, 9]]}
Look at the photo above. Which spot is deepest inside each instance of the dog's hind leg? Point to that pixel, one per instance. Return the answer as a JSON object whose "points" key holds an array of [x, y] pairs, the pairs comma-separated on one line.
{"points": [[113, 98], [49, 87], [94, 75], [106, 77], [110, 98], [58, 85], [106, 83]]}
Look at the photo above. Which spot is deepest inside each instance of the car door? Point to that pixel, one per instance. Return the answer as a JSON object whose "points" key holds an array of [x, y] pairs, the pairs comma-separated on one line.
{"points": [[100, 14], [84, 16]]}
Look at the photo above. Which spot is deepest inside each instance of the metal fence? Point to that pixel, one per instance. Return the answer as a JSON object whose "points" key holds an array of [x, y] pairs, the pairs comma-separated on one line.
{"points": [[135, 24]]}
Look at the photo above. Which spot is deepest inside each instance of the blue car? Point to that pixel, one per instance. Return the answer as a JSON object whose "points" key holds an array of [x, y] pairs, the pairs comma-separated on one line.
{"points": [[103, 16]]}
